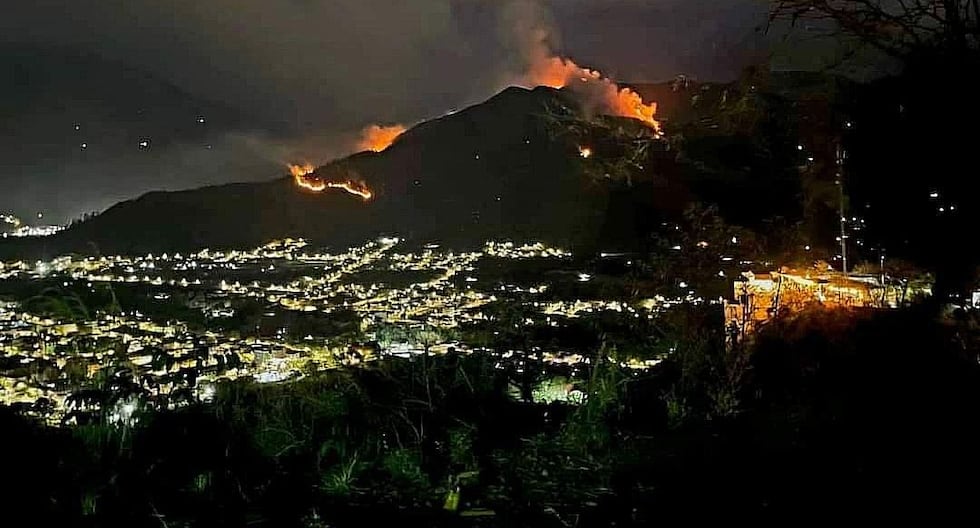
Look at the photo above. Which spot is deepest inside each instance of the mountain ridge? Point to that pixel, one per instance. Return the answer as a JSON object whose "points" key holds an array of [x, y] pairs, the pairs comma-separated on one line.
{"points": [[490, 170], [510, 167]]}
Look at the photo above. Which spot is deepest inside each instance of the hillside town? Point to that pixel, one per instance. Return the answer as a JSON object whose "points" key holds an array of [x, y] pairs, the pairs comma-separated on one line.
{"points": [[51, 358], [51, 361]]}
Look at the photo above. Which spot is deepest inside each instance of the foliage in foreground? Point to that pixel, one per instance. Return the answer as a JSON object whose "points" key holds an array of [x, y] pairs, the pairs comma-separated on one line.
{"points": [[829, 410]]}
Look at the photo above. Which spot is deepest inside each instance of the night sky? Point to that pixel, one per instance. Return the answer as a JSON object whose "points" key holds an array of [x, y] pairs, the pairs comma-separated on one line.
{"points": [[105, 100]]}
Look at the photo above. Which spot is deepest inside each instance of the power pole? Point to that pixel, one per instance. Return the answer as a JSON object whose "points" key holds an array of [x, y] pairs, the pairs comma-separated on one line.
{"points": [[881, 276], [841, 156]]}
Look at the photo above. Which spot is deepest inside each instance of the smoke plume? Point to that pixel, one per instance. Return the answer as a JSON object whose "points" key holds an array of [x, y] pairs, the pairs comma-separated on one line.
{"points": [[536, 39], [379, 137]]}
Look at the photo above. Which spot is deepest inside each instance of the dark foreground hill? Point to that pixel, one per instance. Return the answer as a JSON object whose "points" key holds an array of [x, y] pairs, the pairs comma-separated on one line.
{"points": [[506, 168]]}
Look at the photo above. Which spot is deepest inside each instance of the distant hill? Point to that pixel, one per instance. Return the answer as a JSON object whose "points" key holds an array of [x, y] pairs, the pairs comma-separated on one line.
{"points": [[72, 124], [506, 168], [494, 170]]}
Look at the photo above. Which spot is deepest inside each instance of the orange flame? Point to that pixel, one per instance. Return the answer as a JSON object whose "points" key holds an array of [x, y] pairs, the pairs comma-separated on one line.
{"points": [[585, 152], [559, 72], [301, 176], [353, 187], [628, 103], [554, 72], [377, 138], [298, 171]]}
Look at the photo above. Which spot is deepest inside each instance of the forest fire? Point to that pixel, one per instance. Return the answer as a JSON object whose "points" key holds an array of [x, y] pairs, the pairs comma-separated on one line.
{"points": [[546, 69], [377, 138], [585, 152], [353, 187], [299, 171], [627, 103], [301, 176]]}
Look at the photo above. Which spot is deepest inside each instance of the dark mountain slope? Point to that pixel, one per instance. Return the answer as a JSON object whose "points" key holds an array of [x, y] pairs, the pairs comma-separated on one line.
{"points": [[495, 170], [507, 168], [53, 101]]}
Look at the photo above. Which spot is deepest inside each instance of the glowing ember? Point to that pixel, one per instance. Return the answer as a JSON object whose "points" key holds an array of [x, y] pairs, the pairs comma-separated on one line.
{"points": [[303, 179], [377, 138], [585, 152]]}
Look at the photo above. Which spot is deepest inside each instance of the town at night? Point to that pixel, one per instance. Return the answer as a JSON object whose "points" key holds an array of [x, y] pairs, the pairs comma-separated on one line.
{"points": [[470, 263]]}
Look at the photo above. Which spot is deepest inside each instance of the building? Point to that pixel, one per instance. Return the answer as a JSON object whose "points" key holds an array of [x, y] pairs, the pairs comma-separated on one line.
{"points": [[761, 298]]}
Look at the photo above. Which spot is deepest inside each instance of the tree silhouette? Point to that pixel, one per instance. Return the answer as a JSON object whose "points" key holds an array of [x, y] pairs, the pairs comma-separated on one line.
{"points": [[58, 303], [909, 126], [427, 336], [903, 29]]}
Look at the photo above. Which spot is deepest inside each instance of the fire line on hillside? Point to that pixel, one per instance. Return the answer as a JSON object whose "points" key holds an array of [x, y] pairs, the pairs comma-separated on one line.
{"points": [[301, 176]]}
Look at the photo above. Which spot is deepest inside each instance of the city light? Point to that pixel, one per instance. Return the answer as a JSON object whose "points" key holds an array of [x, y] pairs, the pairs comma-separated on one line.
{"points": [[446, 296]]}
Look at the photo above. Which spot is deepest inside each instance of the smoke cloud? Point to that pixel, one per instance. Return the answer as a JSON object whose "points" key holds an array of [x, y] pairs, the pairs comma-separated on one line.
{"points": [[302, 78], [377, 137], [532, 29]]}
